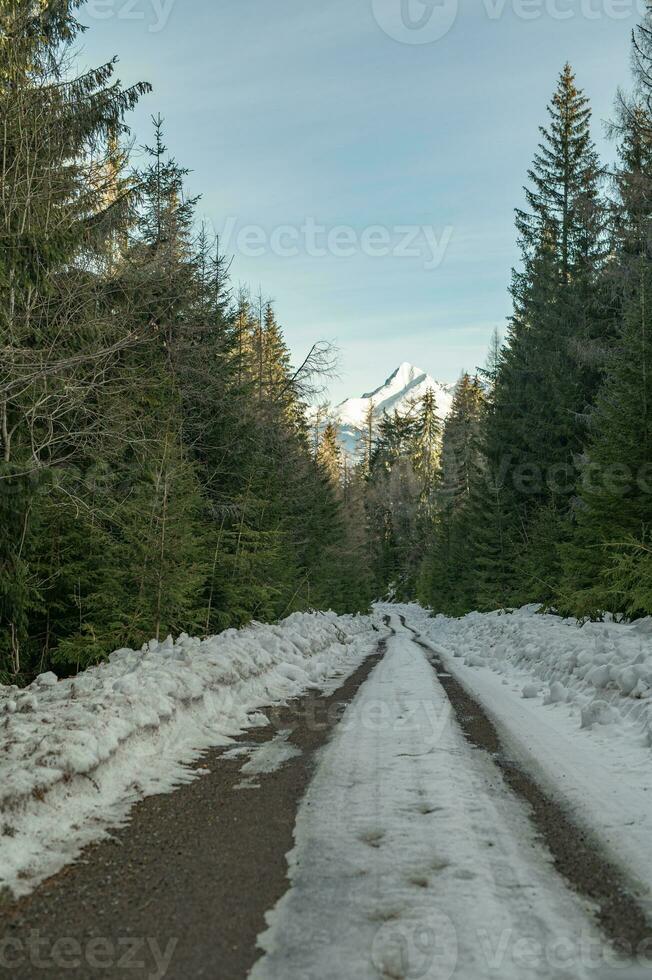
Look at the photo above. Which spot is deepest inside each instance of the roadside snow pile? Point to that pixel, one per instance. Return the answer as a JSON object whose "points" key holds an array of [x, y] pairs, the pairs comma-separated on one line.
{"points": [[76, 754], [603, 671]]}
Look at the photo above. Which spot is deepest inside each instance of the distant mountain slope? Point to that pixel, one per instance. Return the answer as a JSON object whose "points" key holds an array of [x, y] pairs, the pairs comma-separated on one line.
{"points": [[403, 390]]}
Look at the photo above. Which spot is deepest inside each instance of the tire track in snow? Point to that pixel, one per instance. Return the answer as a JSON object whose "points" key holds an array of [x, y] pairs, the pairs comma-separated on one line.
{"points": [[411, 860], [576, 855]]}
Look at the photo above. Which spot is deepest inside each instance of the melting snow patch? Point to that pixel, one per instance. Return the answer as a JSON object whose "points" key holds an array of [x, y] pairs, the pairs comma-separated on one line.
{"points": [[271, 755]]}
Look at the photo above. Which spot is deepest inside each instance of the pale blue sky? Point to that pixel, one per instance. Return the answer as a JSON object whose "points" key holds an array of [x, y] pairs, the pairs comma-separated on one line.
{"points": [[291, 111]]}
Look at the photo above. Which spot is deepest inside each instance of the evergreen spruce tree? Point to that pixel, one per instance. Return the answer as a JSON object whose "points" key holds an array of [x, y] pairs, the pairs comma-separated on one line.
{"points": [[490, 505], [427, 449], [607, 562], [329, 456], [552, 363], [393, 503], [59, 337], [150, 580], [446, 577], [368, 436]]}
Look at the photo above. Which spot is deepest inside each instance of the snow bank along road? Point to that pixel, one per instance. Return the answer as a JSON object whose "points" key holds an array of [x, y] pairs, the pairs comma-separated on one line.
{"points": [[430, 832], [75, 755]]}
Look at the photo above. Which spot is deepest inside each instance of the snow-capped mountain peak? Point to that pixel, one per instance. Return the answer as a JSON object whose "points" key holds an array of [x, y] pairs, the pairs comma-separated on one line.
{"points": [[405, 387], [404, 376], [401, 392]]}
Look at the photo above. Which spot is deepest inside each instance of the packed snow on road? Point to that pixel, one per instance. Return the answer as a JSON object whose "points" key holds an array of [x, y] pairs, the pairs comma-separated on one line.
{"points": [[573, 703], [410, 858]]}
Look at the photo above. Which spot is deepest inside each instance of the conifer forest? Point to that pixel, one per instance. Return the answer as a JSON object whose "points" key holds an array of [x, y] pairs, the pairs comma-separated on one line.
{"points": [[160, 472]]}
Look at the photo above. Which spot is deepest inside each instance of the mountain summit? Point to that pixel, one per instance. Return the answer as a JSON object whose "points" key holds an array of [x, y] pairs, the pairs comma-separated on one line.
{"points": [[400, 392]]}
